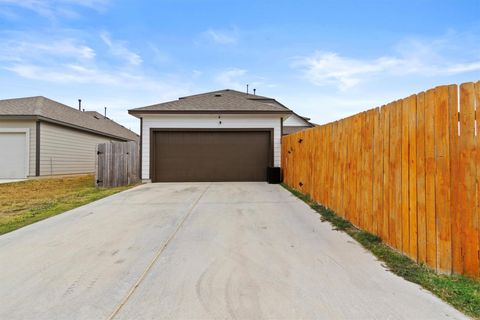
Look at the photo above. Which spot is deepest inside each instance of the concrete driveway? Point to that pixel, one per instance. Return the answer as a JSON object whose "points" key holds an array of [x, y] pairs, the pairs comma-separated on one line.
{"points": [[2, 181], [199, 251]]}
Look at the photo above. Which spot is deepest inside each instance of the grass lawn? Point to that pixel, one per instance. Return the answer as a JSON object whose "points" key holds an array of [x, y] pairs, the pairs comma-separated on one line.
{"points": [[26, 202], [461, 292]]}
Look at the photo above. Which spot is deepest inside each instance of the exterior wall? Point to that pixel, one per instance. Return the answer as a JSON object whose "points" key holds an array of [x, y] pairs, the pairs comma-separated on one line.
{"points": [[66, 151], [30, 126], [295, 121], [210, 121], [289, 130]]}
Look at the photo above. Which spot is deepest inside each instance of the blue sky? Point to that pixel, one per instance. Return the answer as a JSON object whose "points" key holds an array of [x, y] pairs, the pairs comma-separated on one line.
{"points": [[324, 59]]}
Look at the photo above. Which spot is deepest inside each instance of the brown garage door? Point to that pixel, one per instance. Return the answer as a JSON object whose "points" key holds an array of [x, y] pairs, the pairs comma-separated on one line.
{"points": [[210, 155]]}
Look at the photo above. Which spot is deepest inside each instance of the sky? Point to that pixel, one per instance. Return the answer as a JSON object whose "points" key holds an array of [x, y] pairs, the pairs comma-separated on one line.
{"points": [[323, 59]]}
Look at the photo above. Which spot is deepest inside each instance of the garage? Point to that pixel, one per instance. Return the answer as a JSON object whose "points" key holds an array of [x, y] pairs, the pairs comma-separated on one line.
{"points": [[13, 162], [223, 135], [210, 155]]}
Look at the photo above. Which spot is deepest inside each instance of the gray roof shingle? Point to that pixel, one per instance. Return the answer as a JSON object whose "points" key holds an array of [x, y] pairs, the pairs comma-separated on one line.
{"points": [[63, 114], [217, 101]]}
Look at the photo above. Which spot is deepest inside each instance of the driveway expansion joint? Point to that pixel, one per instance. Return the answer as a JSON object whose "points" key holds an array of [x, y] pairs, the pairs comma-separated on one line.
{"points": [[157, 256]]}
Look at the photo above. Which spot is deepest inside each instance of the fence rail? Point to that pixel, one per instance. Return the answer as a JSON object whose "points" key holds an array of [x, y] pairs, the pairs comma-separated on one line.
{"points": [[117, 164], [408, 172]]}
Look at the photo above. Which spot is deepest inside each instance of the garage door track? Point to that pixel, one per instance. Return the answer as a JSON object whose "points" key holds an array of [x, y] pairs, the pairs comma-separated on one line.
{"points": [[199, 251]]}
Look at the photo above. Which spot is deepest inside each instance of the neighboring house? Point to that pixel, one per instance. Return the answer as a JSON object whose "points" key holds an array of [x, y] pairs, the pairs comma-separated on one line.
{"points": [[217, 136], [39, 137], [296, 123]]}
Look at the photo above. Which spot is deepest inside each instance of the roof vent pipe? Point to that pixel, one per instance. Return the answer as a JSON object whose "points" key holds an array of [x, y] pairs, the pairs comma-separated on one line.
{"points": [[254, 92], [105, 114], [247, 88], [79, 104]]}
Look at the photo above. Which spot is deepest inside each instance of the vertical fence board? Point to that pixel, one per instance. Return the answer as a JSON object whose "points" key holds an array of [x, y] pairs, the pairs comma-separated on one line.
{"points": [[358, 170], [453, 121], [420, 172], [372, 221], [362, 208], [378, 172], [467, 177], [337, 163], [477, 155], [351, 175], [442, 181], [430, 169], [386, 175], [396, 174], [412, 177], [405, 181]]}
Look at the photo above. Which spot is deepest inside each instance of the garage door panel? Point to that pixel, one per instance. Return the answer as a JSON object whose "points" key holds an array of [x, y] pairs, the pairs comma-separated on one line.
{"points": [[13, 155], [211, 155]]}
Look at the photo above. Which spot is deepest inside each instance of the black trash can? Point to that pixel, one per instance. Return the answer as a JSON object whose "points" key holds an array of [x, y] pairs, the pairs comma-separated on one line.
{"points": [[274, 174]]}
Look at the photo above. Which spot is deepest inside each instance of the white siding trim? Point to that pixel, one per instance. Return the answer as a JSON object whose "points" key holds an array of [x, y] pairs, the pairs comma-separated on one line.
{"points": [[208, 121], [27, 145]]}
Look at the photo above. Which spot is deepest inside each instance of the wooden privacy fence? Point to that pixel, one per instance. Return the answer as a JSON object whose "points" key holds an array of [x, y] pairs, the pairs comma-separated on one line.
{"points": [[117, 164], [408, 172]]}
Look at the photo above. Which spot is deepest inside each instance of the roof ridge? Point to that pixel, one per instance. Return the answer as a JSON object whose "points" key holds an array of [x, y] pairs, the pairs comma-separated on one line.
{"points": [[205, 93], [226, 100], [56, 111], [224, 90]]}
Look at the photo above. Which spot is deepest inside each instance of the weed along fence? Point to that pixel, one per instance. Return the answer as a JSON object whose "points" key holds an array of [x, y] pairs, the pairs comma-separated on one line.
{"points": [[117, 164], [408, 172]]}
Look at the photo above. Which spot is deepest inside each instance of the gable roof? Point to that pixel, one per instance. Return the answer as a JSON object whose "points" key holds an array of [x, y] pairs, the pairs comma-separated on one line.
{"points": [[225, 101], [296, 117], [52, 111]]}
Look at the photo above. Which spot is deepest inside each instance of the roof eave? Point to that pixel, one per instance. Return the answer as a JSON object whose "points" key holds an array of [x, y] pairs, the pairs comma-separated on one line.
{"points": [[63, 124], [83, 128], [136, 112]]}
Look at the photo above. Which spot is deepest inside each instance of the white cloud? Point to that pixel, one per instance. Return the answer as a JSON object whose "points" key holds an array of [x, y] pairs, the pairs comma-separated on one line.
{"points": [[119, 49], [412, 57], [230, 78], [222, 36], [68, 61], [237, 79], [159, 56], [29, 49], [72, 74], [56, 8], [323, 68]]}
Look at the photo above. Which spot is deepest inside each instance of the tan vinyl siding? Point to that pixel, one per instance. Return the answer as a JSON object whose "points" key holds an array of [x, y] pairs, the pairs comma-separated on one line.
{"points": [[25, 124], [65, 151]]}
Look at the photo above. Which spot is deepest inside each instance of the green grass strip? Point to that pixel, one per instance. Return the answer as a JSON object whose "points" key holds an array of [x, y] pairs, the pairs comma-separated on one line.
{"points": [[55, 207], [460, 291]]}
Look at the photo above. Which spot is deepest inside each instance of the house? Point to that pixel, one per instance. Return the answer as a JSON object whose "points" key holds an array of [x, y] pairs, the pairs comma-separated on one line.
{"points": [[296, 123], [223, 135], [39, 137]]}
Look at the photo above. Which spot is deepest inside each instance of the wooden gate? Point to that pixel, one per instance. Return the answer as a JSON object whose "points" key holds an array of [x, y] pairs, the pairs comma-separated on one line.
{"points": [[117, 164]]}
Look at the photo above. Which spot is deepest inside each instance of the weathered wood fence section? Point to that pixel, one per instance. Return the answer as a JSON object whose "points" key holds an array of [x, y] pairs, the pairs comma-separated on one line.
{"points": [[408, 172], [117, 164]]}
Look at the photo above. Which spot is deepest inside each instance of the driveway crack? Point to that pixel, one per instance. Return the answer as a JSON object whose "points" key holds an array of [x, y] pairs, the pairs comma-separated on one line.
{"points": [[156, 257]]}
